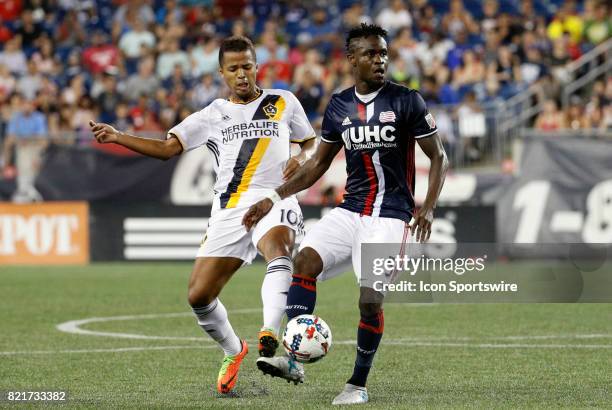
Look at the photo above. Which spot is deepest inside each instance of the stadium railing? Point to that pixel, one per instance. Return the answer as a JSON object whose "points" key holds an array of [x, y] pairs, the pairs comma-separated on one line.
{"points": [[470, 134], [518, 112]]}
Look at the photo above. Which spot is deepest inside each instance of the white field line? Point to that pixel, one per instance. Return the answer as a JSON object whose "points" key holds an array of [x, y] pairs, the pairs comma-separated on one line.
{"points": [[387, 342], [505, 338], [499, 346], [543, 337], [115, 350], [73, 326]]}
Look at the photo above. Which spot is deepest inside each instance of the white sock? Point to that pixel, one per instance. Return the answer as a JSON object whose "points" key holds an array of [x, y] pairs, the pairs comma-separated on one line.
{"points": [[213, 319], [274, 291]]}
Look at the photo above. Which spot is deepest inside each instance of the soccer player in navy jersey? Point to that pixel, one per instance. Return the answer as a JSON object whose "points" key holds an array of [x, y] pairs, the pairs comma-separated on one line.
{"points": [[378, 122]]}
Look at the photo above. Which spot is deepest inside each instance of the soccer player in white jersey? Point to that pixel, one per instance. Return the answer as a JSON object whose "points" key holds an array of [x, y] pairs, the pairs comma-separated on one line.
{"points": [[378, 123], [249, 135]]}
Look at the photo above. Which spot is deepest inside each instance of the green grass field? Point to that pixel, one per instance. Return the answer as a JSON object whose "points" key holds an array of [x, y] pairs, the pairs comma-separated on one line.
{"points": [[432, 356]]}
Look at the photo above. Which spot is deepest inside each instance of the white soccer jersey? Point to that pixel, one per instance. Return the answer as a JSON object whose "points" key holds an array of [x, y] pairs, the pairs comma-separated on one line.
{"points": [[250, 143]]}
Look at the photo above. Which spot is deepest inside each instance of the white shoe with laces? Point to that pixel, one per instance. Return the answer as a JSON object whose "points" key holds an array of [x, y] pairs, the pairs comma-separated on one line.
{"points": [[352, 395]]}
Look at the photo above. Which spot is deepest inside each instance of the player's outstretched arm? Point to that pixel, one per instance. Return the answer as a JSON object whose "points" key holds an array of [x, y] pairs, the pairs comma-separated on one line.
{"points": [[432, 147], [311, 171], [307, 151], [303, 178], [161, 149]]}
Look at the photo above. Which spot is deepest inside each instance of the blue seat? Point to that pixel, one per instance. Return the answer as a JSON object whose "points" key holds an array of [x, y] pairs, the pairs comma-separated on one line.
{"points": [[440, 6]]}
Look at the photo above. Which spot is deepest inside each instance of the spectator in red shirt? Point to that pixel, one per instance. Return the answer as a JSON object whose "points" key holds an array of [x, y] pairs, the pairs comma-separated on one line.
{"points": [[10, 9], [283, 70], [282, 67], [231, 9], [5, 33], [139, 116], [100, 55]]}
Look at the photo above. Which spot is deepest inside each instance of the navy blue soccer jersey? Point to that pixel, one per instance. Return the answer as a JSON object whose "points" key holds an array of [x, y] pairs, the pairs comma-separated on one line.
{"points": [[379, 138]]}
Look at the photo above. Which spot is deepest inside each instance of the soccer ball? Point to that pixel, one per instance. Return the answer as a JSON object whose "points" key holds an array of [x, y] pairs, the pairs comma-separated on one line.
{"points": [[307, 338]]}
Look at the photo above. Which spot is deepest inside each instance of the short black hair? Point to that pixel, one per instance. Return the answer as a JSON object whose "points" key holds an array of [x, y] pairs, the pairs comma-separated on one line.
{"points": [[236, 43], [364, 31]]}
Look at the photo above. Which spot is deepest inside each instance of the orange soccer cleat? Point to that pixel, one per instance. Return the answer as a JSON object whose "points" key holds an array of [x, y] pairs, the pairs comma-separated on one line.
{"points": [[268, 342], [229, 370]]}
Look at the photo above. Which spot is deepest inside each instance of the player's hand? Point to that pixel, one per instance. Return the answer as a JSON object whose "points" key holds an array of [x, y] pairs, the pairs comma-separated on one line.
{"points": [[103, 133], [421, 224], [292, 165], [256, 212]]}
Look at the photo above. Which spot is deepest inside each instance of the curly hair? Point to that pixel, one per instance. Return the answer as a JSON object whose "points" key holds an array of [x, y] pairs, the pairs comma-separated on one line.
{"points": [[364, 31]]}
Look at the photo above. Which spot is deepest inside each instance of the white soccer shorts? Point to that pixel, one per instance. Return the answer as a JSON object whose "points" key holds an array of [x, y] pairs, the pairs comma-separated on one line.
{"points": [[227, 237], [338, 237]]}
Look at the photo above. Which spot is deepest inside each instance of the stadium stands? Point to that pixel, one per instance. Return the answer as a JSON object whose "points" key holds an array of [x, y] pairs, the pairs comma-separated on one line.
{"points": [[146, 64]]}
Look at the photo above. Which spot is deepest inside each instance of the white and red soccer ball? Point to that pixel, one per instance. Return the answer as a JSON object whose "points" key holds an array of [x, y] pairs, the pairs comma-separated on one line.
{"points": [[307, 338]]}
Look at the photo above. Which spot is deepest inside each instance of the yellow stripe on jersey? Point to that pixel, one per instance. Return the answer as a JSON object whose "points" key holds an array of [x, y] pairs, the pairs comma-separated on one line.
{"points": [[280, 108], [271, 107], [254, 161]]}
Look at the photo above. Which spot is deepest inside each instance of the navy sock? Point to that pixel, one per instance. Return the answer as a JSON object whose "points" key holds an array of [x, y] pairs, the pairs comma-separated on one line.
{"points": [[302, 296], [369, 333]]}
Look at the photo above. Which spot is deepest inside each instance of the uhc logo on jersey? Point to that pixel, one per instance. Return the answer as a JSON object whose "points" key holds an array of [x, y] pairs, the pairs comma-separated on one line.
{"points": [[369, 137]]}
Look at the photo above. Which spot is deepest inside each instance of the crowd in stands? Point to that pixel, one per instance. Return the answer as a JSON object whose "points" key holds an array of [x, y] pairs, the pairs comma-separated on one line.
{"points": [[594, 111], [144, 65]]}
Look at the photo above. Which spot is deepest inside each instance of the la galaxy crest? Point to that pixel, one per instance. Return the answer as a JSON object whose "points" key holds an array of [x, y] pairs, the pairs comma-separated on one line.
{"points": [[270, 110]]}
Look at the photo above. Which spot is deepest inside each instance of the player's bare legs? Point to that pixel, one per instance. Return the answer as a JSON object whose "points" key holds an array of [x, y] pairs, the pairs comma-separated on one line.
{"points": [[209, 276], [278, 241], [308, 263], [276, 247]]}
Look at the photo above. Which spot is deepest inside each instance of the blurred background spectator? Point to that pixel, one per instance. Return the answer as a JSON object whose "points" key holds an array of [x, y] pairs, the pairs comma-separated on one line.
{"points": [[27, 133], [551, 118]]}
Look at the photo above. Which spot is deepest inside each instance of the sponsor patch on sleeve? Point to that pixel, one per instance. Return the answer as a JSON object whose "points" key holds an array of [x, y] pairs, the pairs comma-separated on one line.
{"points": [[430, 121]]}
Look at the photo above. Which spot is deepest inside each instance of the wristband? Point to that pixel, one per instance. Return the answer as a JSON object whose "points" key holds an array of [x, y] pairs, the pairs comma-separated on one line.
{"points": [[274, 197]]}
